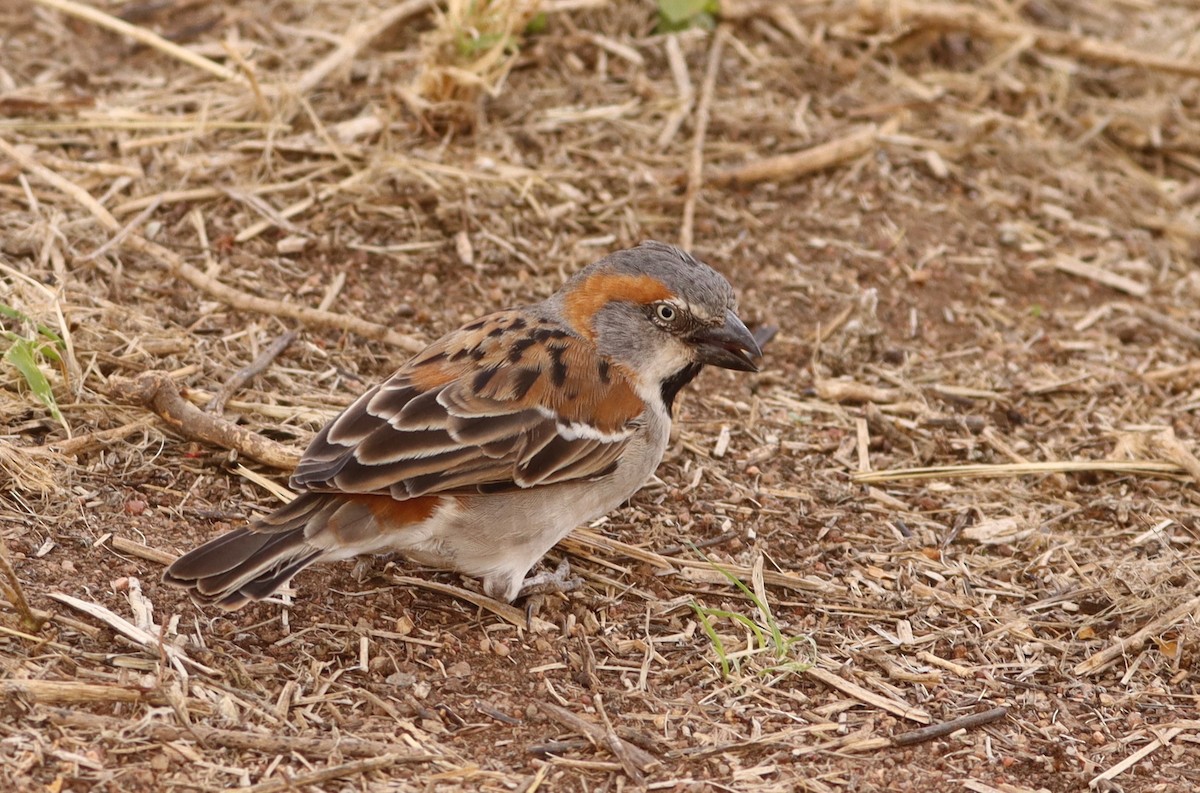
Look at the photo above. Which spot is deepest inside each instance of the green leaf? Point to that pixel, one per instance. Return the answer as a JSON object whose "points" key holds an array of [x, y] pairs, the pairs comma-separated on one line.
{"points": [[23, 354], [12, 313], [683, 14], [537, 25], [676, 11]]}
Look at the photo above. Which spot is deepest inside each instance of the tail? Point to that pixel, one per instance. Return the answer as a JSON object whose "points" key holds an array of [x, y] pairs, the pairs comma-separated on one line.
{"points": [[252, 562]]}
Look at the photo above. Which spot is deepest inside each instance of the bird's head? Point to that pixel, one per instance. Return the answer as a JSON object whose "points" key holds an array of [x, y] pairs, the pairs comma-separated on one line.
{"points": [[661, 313]]}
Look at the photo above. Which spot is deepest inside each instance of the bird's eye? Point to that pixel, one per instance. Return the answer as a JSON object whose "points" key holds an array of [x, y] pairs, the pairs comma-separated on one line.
{"points": [[665, 311]]}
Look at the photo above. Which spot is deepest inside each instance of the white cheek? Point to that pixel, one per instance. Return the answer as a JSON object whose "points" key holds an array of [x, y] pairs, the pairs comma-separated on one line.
{"points": [[666, 362]]}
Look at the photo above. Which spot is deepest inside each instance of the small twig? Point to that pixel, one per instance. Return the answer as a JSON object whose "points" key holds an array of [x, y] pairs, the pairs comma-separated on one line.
{"points": [[901, 709], [1155, 317], [140, 35], [138, 220], [945, 16], [784, 167], [506, 612], [1101, 659], [946, 727], [148, 640], [671, 550], [327, 774], [72, 692], [354, 40], [763, 335], [1159, 742], [16, 594], [1144, 467], [247, 373], [93, 440], [156, 391], [125, 545], [851, 391], [642, 759], [618, 746], [1092, 272], [683, 86], [696, 163]]}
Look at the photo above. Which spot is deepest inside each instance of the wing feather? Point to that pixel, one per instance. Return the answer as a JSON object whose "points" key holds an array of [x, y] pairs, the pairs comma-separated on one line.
{"points": [[507, 402]]}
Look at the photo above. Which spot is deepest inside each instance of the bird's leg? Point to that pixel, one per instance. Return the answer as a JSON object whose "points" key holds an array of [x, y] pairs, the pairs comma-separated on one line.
{"points": [[560, 580]]}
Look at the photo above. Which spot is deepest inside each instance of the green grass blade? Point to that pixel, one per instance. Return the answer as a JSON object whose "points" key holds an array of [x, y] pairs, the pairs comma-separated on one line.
{"points": [[713, 638], [12, 313], [23, 355]]}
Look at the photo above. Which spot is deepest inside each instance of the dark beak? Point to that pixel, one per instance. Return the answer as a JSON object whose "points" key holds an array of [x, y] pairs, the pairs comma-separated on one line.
{"points": [[729, 345]]}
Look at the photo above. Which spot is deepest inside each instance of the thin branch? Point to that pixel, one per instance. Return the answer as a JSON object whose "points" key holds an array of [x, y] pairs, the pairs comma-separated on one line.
{"points": [[696, 163], [140, 35], [784, 167], [944, 728], [156, 391], [1135, 640], [946, 16], [249, 372], [643, 760]]}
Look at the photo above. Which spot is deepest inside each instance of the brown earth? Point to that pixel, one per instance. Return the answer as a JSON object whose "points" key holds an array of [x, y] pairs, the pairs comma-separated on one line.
{"points": [[998, 268]]}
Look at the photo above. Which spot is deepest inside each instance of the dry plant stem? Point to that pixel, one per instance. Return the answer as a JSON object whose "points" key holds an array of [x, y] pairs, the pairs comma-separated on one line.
{"points": [[581, 541], [945, 16], [785, 167], [197, 278], [642, 759], [125, 545], [94, 440], [1144, 467], [148, 640], [1163, 322], [1136, 640], [70, 692], [946, 727], [16, 594], [902, 709], [156, 391], [506, 612], [353, 41], [309, 316], [696, 163], [141, 35], [1160, 740], [1176, 452], [616, 745], [248, 373], [327, 774], [238, 739]]}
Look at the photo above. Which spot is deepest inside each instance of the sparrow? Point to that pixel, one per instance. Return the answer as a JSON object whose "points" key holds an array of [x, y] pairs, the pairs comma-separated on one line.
{"points": [[484, 450]]}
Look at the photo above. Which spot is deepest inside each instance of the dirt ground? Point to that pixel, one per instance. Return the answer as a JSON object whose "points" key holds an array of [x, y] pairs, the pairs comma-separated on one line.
{"points": [[975, 227]]}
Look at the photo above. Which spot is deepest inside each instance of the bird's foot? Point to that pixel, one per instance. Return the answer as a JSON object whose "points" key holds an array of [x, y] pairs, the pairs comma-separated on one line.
{"points": [[535, 588], [558, 581]]}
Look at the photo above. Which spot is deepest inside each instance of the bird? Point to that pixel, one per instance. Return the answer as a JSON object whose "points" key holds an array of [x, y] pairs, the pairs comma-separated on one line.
{"points": [[485, 449]]}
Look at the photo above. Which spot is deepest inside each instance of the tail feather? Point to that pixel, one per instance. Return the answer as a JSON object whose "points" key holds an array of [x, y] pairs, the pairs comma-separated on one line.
{"points": [[251, 563]]}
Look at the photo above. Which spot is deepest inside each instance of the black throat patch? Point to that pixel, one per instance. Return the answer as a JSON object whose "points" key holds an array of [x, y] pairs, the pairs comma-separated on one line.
{"points": [[672, 385]]}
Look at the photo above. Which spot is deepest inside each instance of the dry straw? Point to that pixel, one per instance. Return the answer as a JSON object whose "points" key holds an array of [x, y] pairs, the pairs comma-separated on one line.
{"points": [[967, 471]]}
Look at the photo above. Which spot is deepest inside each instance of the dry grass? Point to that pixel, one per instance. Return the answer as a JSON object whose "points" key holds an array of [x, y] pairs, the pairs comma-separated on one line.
{"points": [[967, 473]]}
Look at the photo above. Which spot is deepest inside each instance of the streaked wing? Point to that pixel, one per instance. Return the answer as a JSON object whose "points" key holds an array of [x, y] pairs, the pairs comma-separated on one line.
{"points": [[470, 414]]}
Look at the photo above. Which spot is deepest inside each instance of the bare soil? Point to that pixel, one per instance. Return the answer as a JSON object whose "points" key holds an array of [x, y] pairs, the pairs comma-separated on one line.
{"points": [[996, 265]]}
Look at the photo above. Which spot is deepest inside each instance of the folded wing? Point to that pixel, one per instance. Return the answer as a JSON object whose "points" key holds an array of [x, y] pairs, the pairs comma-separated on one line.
{"points": [[509, 401]]}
